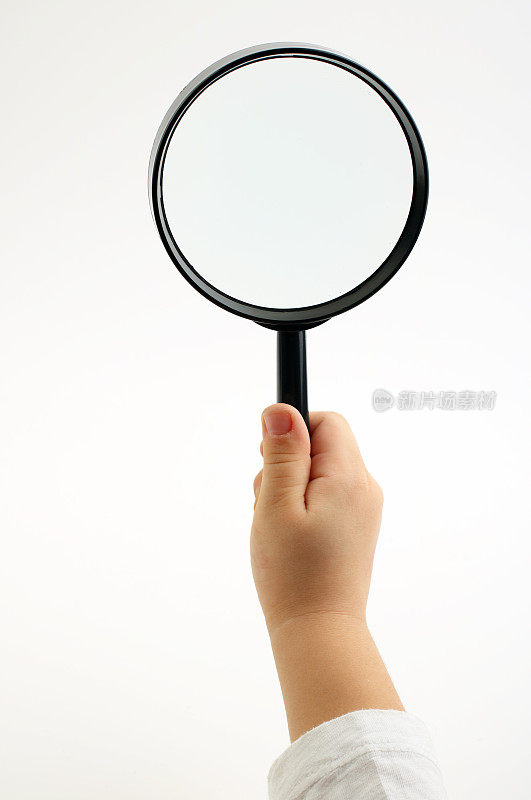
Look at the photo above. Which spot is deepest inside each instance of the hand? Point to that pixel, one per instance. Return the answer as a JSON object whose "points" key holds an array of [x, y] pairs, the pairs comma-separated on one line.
{"points": [[316, 522]]}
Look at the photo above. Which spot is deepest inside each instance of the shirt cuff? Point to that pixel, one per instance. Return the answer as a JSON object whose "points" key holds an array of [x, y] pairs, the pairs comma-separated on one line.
{"points": [[341, 741]]}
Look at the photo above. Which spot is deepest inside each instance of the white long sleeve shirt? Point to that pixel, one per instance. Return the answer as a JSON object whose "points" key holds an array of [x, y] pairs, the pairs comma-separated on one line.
{"points": [[364, 755]]}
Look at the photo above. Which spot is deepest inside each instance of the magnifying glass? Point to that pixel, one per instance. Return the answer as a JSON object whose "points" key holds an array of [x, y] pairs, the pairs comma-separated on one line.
{"points": [[288, 184]]}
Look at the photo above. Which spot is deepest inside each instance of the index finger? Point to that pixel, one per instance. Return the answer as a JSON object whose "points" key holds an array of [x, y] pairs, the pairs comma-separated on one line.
{"points": [[334, 449]]}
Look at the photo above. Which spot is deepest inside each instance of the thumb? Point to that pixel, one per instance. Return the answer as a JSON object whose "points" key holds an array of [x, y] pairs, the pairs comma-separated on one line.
{"points": [[286, 451]]}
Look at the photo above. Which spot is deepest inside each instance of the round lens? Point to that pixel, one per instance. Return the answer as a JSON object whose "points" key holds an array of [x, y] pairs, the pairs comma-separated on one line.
{"points": [[287, 182]]}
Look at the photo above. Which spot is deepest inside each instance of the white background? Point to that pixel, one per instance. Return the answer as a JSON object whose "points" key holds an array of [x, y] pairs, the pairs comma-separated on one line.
{"points": [[135, 663]]}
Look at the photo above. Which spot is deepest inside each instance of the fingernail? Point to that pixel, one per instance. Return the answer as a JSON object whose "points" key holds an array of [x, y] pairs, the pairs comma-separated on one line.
{"points": [[277, 422]]}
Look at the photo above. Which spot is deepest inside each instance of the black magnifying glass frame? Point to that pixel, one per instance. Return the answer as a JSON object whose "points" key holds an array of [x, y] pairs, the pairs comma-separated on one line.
{"points": [[290, 323]]}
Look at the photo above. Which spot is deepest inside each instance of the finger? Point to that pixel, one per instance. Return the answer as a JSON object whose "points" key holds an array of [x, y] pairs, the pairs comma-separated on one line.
{"points": [[334, 450], [286, 450]]}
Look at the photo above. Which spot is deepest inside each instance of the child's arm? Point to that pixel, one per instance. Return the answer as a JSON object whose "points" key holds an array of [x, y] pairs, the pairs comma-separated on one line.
{"points": [[315, 527]]}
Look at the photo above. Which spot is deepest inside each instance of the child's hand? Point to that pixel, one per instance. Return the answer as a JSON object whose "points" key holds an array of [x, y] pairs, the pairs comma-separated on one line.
{"points": [[316, 522], [316, 519]]}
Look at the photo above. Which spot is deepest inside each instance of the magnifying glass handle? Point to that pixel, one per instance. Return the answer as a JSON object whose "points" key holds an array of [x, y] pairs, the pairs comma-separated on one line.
{"points": [[292, 385]]}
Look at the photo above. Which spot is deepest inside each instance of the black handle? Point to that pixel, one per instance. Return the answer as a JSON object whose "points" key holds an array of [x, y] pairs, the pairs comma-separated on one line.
{"points": [[292, 385]]}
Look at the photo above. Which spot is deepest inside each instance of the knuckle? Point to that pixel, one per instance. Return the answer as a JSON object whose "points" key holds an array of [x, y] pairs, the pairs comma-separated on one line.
{"points": [[279, 509], [338, 419], [359, 489], [276, 458], [284, 483], [345, 486]]}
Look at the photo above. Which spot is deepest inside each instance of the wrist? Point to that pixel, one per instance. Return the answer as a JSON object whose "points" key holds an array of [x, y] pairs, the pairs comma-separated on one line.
{"points": [[318, 625], [328, 665], [321, 623]]}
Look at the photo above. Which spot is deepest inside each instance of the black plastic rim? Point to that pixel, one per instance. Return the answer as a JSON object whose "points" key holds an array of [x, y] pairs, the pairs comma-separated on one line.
{"points": [[307, 316]]}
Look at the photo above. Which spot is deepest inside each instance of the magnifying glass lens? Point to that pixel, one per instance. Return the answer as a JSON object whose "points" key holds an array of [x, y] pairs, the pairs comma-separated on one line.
{"points": [[287, 183]]}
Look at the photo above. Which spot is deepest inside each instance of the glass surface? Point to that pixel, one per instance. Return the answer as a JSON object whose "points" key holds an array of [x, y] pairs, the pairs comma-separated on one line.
{"points": [[287, 182]]}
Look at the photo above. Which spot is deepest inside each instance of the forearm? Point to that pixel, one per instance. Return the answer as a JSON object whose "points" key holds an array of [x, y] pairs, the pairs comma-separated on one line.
{"points": [[329, 665]]}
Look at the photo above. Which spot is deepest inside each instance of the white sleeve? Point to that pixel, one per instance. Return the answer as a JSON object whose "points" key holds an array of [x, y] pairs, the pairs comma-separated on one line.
{"points": [[364, 755]]}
